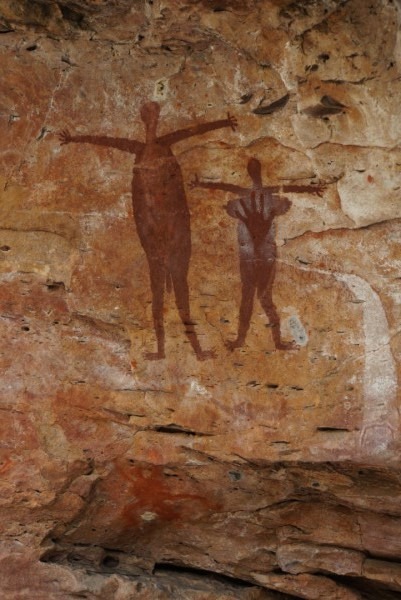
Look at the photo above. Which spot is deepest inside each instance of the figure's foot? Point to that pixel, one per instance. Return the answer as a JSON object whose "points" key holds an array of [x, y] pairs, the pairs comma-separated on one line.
{"points": [[205, 354], [233, 344], [286, 345], [154, 355]]}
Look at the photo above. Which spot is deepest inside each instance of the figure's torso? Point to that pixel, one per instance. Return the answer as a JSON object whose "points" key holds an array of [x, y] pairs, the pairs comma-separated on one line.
{"points": [[255, 211], [160, 208]]}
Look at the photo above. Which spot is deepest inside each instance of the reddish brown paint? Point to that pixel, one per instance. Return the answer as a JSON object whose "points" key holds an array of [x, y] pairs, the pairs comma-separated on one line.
{"points": [[7, 464], [256, 208], [151, 491], [161, 214]]}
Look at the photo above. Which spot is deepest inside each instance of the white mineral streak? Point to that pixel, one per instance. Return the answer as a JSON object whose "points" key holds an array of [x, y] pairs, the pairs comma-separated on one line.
{"points": [[292, 326], [380, 414], [197, 389], [115, 378]]}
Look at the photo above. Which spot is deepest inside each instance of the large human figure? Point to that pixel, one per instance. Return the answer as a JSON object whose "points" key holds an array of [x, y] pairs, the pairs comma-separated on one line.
{"points": [[161, 214], [256, 208]]}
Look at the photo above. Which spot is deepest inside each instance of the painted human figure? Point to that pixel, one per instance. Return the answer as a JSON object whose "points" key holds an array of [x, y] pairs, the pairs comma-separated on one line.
{"points": [[161, 214], [256, 208]]}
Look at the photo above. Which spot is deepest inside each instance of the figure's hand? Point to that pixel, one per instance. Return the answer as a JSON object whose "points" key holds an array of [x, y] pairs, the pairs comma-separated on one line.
{"points": [[194, 183], [253, 214], [232, 121], [65, 137], [319, 189], [254, 217]]}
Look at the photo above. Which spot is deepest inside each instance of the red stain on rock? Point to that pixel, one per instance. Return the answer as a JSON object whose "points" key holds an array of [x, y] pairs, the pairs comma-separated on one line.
{"points": [[370, 179], [156, 498], [5, 465]]}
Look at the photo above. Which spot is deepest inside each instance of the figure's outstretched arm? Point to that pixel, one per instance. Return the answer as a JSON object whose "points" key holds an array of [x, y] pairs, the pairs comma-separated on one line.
{"points": [[310, 189], [123, 144], [182, 134], [216, 185], [297, 189]]}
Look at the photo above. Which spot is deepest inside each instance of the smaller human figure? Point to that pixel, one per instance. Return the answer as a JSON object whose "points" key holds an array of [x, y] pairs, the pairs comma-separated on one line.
{"points": [[256, 208]]}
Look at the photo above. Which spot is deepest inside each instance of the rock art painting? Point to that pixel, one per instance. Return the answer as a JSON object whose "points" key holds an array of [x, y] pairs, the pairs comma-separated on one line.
{"points": [[161, 214], [256, 208], [200, 313]]}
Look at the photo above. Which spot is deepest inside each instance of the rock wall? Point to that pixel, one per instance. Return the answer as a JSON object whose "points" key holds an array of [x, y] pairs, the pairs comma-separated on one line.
{"points": [[200, 299]]}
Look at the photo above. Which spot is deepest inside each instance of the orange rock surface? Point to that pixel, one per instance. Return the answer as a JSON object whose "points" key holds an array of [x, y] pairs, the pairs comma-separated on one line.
{"points": [[263, 199]]}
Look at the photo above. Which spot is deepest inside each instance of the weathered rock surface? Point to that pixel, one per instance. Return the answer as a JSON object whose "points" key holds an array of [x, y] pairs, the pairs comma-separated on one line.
{"points": [[260, 472]]}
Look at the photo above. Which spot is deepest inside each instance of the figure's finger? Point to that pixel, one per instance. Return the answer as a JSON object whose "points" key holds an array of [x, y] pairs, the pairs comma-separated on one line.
{"points": [[233, 121], [261, 203], [240, 217], [244, 208], [253, 202]]}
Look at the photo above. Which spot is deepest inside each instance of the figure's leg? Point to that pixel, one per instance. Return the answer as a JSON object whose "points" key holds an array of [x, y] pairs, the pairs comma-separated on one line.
{"points": [[265, 293], [248, 289], [179, 266], [157, 273]]}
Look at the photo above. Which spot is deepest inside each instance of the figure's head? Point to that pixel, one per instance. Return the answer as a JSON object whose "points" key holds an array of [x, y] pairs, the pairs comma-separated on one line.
{"points": [[150, 113], [255, 170]]}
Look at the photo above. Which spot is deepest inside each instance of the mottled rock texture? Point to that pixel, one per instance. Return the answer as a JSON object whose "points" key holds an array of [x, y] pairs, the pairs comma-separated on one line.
{"points": [[252, 463]]}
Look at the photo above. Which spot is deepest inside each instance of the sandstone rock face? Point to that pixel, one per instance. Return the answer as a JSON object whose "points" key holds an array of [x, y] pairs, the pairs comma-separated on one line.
{"points": [[200, 299]]}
